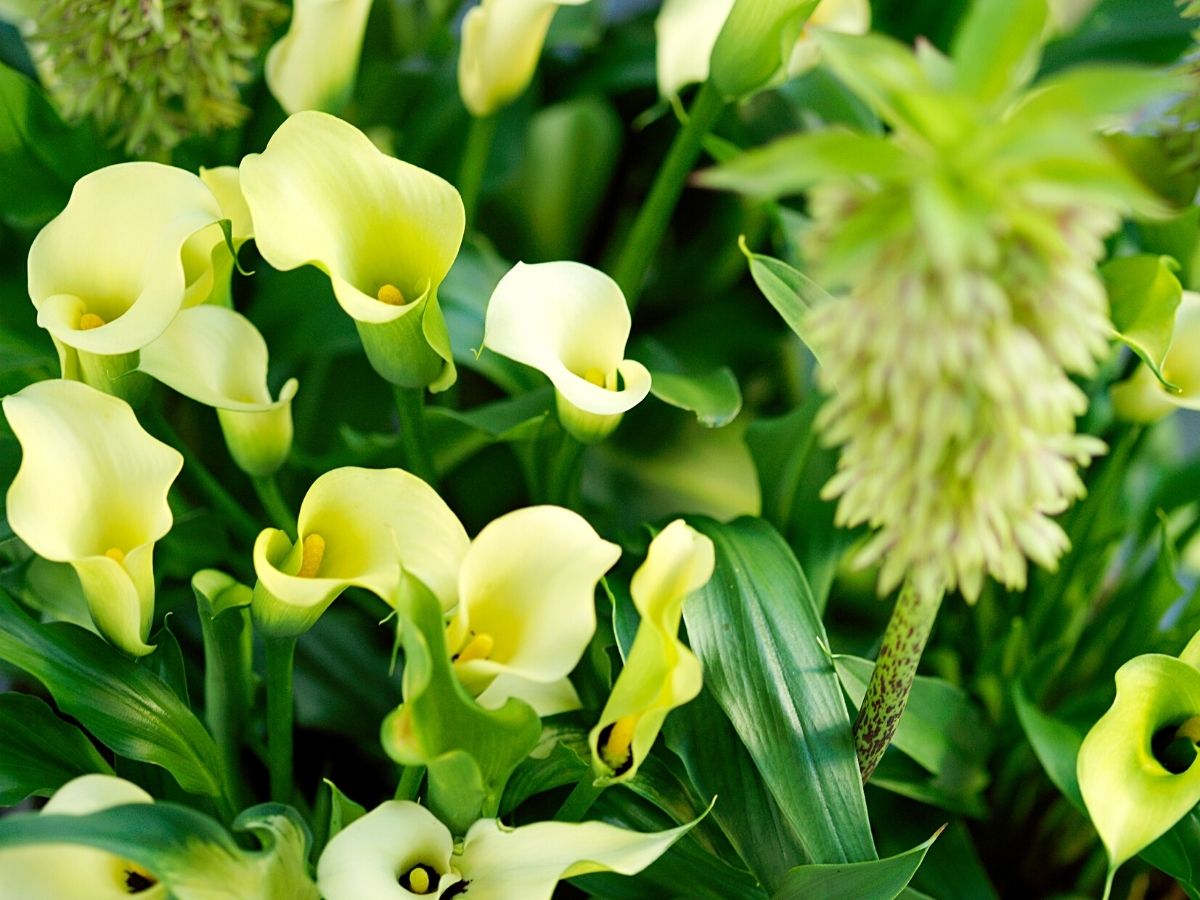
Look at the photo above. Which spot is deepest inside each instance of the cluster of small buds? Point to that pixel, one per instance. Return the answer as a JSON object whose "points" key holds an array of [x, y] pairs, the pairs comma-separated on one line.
{"points": [[948, 378], [171, 68]]}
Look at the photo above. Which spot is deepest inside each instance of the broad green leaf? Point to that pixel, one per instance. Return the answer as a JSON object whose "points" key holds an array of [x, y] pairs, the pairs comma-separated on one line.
{"points": [[997, 47], [715, 397], [1095, 93], [342, 810], [1143, 295], [39, 752], [456, 436], [878, 879], [126, 706], [167, 661], [791, 292], [756, 630]]}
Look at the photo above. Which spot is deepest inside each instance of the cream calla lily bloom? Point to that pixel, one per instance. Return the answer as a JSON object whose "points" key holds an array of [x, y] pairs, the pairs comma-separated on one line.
{"points": [[315, 64], [384, 231], [92, 491], [526, 606], [660, 672], [357, 528], [217, 357], [73, 872], [501, 43], [225, 185], [570, 322], [1142, 397], [108, 274], [400, 850]]}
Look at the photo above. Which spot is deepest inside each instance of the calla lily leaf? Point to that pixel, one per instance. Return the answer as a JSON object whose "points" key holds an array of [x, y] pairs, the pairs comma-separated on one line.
{"points": [[791, 292], [877, 878], [714, 397], [1143, 296], [39, 752]]}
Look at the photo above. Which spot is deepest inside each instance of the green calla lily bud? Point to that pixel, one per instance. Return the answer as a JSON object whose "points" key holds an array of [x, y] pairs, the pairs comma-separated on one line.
{"points": [[356, 527], [660, 672], [755, 43], [384, 231], [315, 64], [225, 184], [92, 492], [1143, 397], [1137, 767], [400, 850], [570, 322]]}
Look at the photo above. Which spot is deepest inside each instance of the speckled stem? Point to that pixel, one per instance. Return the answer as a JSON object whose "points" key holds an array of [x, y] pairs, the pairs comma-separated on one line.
{"points": [[887, 694]]}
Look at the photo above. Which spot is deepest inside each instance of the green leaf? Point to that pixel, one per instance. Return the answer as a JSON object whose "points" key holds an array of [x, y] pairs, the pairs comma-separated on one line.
{"points": [[39, 752], [790, 291], [126, 706], [1143, 295], [1094, 94], [756, 630], [714, 397], [878, 879], [342, 810], [997, 47]]}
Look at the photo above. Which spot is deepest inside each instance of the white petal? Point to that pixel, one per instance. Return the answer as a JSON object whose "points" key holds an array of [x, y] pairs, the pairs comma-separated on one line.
{"points": [[687, 31], [314, 65], [546, 698]]}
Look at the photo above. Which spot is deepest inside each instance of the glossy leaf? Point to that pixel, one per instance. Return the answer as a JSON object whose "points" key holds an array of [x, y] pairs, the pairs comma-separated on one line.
{"points": [[39, 752], [714, 397], [879, 879], [790, 291]]}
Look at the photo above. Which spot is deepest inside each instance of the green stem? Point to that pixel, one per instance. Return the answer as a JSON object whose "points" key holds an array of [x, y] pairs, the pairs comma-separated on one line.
{"points": [[895, 667], [274, 505], [641, 244], [226, 693], [580, 800], [281, 653], [563, 479], [474, 163], [410, 783], [414, 438]]}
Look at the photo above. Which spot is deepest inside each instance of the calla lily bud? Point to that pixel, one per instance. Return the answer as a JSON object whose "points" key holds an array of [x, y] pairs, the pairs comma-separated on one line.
{"points": [[108, 274], [384, 231], [92, 491], [400, 850], [571, 323], [315, 64], [225, 185], [1137, 767], [526, 609], [357, 528], [660, 672], [501, 43], [1142, 397], [71, 872], [217, 357], [755, 43]]}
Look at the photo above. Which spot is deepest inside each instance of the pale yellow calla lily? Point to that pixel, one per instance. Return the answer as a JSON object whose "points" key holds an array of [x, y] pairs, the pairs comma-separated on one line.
{"points": [[226, 187], [400, 850], [315, 64], [501, 43], [526, 609], [108, 274], [217, 357], [570, 322], [660, 672], [357, 527], [92, 491], [384, 231], [1142, 397], [73, 872]]}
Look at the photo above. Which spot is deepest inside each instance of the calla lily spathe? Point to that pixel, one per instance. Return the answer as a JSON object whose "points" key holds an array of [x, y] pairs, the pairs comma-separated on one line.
{"points": [[357, 528], [660, 672], [1142, 397], [315, 64], [570, 322], [400, 850], [92, 491], [501, 43], [217, 357], [1130, 794], [73, 872], [384, 231], [526, 609]]}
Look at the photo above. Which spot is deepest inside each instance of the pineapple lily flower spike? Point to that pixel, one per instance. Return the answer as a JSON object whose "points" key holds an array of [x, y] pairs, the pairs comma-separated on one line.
{"points": [[400, 850], [384, 231], [570, 322], [92, 491]]}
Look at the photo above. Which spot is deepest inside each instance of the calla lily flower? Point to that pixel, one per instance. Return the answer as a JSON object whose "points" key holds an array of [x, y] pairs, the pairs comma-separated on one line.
{"points": [[526, 606], [314, 65], [400, 850], [92, 491], [570, 322], [384, 231], [217, 357], [1142, 397], [660, 672], [501, 43], [357, 527], [73, 872], [225, 185], [108, 274], [1137, 767]]}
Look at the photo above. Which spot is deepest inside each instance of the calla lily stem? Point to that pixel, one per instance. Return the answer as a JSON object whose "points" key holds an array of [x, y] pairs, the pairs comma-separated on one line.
{"points": [[474, 163], [410, 783], [414, 437], [564, 471], [580, 800], [641, 244], [281, 654], [274, 505], [226, 680]]}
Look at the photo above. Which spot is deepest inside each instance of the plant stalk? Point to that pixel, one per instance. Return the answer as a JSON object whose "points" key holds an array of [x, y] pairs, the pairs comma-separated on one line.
{"points": [[580, 800], [414, 437], [274, 505], [474, 163], [281, 654], [226, 693], [410, 783]]}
